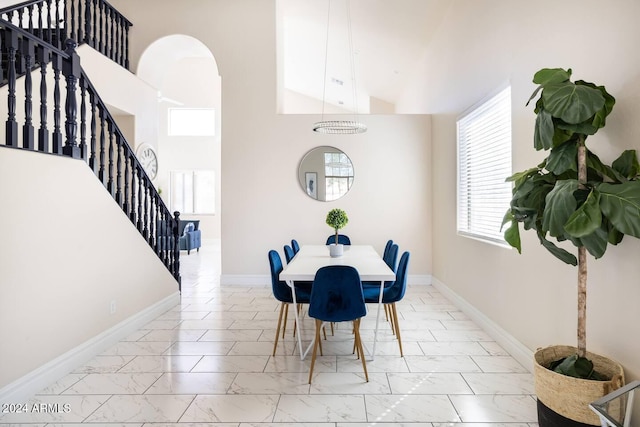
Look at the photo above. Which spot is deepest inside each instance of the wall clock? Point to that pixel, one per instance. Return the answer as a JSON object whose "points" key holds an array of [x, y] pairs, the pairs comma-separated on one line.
{"points": [[148, 159]]}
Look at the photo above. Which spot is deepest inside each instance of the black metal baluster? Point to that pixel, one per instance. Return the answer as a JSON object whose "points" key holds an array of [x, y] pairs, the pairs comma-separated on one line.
{"points": [[65, 26], [43, 134], [92, 159], [71, 70], [132, 214], [176, 250], [140, 177], [101, 32], [11, 40], [101, 173], [112, 35], [20, 17], [57, 134], [83, 118], [30, 18], [87, 23], [145, 231], [110, 168], [80, 36], [27, 128], [72, 12], [152, 216], [126, 50], [125, 203], [119, 169], [117, 54], [49, 38], [59, 35], [40, 32]]}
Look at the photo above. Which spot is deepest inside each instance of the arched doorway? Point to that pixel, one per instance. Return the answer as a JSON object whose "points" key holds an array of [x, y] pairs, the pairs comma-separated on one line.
{"points": [[186, 75]]}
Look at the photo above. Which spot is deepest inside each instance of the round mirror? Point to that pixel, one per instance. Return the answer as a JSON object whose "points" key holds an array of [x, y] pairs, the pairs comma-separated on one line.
{"points": [[325, 173]]}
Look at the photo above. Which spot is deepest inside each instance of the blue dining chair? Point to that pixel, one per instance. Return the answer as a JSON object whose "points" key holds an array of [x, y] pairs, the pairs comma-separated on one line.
{"points": [[390, 257], [295, 246], [387, 247], [342, 239], [282, 293], [336, 296], [391, 294], [288, 253]]}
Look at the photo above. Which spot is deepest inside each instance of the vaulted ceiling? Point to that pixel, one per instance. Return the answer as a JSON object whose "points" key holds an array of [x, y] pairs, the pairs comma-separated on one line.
{"points": [[388, 39]]}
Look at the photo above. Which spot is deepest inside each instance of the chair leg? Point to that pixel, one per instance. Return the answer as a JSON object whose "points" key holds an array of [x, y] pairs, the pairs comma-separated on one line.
{"points": [[387, 308], [286, 315], [397, 327], [275, 344], [356, 324], [315, 348]]}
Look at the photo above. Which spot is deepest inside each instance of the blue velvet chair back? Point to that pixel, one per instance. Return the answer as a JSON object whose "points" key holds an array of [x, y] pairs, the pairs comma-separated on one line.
{"points": [[295, 246], [281, 290], [336, 295], [288, 253], [342, 239], [387, 247], [391, 257], [395, 292]]}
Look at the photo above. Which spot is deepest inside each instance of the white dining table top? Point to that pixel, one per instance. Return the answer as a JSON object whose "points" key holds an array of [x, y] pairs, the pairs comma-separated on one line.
{"points": [[365, 259]]}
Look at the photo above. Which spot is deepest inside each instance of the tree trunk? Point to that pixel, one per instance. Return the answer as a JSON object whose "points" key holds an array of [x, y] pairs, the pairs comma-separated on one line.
{"points": [[582, 260]]}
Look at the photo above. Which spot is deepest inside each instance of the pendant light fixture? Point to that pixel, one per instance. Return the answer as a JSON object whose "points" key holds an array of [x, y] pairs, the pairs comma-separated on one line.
{"points": [[343, 127]]}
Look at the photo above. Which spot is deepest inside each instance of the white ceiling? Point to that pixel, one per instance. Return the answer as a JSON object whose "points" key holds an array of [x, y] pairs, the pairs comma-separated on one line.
{"points": [[388, 37]]}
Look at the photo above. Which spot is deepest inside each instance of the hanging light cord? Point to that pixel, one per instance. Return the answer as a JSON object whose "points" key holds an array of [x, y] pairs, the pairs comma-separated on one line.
{"points": [[326, 54], [354, 90]]}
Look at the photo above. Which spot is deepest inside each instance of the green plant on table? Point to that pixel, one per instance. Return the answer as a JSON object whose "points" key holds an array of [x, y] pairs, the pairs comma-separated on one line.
{"points": [[337, 219], [572, 196]]}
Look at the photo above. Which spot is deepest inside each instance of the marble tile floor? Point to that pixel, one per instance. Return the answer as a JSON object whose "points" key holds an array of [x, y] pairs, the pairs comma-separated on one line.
{"points": [[208, 361]]}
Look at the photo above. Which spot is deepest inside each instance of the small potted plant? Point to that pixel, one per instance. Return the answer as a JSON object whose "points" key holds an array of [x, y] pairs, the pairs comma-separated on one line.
{"points": [[336, 219], [574, 198]]}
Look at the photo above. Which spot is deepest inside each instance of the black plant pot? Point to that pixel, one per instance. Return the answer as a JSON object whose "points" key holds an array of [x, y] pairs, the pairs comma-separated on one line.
{"points": [[549, 418]]}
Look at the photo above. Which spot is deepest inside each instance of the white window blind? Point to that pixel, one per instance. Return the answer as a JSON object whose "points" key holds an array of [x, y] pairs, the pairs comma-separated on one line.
{"points": [[484, 162]]}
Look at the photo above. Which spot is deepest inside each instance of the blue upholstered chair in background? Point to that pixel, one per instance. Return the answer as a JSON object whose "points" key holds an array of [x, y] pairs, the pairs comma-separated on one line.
{"points": [[336, 296], [390, 257], [295, 246], [288, 253], [392, 294], [342, 239], [282, 292]]}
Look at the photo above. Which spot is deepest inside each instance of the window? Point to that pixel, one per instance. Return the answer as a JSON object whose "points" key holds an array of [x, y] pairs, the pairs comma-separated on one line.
{"points": [[193, 192], [192, 122], [338, 172], [484, 162]]}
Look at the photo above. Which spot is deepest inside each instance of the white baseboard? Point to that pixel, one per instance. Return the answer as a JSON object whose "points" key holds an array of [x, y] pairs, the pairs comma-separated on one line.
{"points": [[514, 347], [265, 280], [36, 380]]}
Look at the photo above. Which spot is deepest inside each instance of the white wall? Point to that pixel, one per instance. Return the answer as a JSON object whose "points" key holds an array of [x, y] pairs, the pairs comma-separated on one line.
{"points": [[67, 252], [482, 45], [263, 206]]}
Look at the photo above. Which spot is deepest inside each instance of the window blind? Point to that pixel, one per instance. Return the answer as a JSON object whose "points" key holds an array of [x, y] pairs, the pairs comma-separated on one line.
{"points": [[484, 162]]}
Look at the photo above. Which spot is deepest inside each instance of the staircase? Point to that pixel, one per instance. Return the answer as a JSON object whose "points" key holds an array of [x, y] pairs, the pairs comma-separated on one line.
{"points": [[40, 71]]}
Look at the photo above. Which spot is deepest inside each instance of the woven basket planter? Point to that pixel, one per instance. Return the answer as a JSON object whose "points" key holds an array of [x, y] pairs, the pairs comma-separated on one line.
{"points": [[568, 396]]}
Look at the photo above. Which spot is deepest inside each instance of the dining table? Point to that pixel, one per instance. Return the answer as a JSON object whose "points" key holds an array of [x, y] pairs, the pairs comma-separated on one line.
{"points": [[364, 258]]}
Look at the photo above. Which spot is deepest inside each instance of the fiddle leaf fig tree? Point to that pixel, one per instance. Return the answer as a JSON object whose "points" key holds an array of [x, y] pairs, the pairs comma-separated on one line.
{"points": [[572, 197]]}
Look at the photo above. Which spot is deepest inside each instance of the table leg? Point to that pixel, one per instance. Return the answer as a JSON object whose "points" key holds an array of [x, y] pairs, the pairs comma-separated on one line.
{"points": [[375, 333], [303, 354]]}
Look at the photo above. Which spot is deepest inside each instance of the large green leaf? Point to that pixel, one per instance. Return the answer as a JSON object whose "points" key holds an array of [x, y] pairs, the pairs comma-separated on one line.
{"points": [[512, 235], [560, 205], [627, 164], [587, 218], [559, 253], [572, 103], [544, 131], [596, 242], [563, 158], [620, 203], [595, 165], [599, 119], [548, 76]]}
